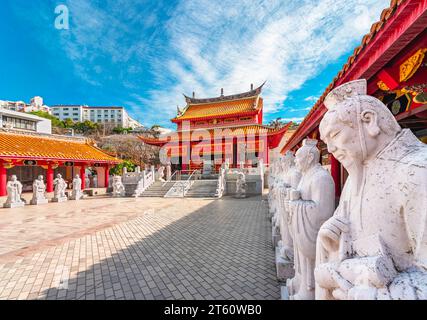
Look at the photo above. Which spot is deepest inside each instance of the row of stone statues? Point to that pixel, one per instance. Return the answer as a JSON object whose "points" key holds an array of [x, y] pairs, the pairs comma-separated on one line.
{"points": [[374, 244], [14, 191]]}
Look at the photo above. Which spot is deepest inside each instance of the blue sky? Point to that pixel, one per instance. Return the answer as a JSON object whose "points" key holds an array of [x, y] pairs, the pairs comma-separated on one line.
{"points": [[145, 54]]}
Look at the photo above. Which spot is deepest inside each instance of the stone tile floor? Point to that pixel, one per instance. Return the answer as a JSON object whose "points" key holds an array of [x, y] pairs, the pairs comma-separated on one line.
{"points": [[150, 248]]}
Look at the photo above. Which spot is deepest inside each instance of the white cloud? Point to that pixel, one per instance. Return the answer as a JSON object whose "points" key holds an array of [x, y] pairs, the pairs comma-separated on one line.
{"points": [[216, 46], [311, 98], [206, 45]]}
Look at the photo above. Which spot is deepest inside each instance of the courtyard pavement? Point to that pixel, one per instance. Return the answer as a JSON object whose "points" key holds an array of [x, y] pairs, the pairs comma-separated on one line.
{"points": [[146, 248]]}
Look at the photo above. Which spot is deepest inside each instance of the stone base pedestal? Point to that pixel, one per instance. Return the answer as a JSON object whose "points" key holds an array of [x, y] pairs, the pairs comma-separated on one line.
{"points": [[76, 197], [284, 294], [62, 199], [36, 202], [14, 205], [275, 235], [284, 268]]}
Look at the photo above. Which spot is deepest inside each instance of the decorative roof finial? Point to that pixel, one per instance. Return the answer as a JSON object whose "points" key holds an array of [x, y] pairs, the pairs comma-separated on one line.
{"points": [[194, 94], [252, 86], [222, 91]]}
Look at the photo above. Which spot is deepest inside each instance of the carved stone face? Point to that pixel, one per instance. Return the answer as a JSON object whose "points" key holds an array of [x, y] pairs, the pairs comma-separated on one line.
{"points": [[40, 178], [342, 140], [59, 176], [14, 178], [77, 176], [303, 159]]}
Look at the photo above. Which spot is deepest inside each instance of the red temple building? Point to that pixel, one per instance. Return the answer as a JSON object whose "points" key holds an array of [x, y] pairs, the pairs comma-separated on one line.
{"points": [[29, 154], [218, 130], [392, 59]]}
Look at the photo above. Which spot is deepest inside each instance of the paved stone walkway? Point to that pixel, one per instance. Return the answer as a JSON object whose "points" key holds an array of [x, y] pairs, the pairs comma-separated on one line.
{"points": [[139, 249]]}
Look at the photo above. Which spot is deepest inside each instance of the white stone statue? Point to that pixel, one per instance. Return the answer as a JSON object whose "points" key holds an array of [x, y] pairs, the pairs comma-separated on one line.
{"points": [[39, 190], [277, 175], [161, 173], [375, 245], [77, 192], [118, 187], [59, 190], [168, 171], [291, 179], [310, 205], [241, 185], [14, 192]]}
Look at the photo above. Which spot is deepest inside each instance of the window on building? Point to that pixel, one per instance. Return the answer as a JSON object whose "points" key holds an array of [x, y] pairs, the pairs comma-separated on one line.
{"points": [[75, 109], [245, 118], [75, 114], [229, 120], [92, 111], [66, 114], [19, 123]]}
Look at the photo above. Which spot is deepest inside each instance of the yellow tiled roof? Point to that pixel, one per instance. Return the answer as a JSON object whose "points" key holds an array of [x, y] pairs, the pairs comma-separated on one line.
{"points": [[44, 147], [221, 108]]}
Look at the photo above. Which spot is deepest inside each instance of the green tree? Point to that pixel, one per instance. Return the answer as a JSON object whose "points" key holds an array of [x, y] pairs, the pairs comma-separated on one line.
{"points": [[54, 120], [118, 169]]}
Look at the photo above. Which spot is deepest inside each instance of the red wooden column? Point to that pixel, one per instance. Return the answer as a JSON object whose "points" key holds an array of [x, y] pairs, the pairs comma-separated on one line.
{"points": [[106, 176], [83, 176], [49, 178], [3, 180], [335, 172]]}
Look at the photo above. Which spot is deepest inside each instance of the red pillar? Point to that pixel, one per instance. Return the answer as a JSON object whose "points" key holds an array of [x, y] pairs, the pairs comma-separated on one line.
{"points": [[3, 180], [106, 176], [49, 179], [335, 172], [83, 176]]}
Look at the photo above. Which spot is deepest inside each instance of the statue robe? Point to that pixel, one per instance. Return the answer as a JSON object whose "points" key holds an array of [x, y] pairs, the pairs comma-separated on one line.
{"points": [[292, 181], [388, 217], [307, 215]]}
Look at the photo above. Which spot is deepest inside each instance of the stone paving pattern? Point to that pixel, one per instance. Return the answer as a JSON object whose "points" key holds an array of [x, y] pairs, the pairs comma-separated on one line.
{"points": [[110, 249]]}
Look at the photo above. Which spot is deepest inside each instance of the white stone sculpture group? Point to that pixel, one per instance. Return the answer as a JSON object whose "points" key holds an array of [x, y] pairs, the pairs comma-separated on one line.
{"points": [[14, 191], [374, 244]]}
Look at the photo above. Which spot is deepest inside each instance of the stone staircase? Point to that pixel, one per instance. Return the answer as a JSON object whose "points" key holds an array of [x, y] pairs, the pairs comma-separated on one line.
{"points": [[202, 189], [157, 190]]}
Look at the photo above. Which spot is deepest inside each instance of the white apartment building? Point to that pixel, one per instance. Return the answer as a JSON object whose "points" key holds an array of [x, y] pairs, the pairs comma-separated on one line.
{"points": [[18, 120], [116, 116], [36, 104]]}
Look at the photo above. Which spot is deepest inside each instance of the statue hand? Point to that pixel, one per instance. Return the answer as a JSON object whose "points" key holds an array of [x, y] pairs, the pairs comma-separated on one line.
{"points": [[330, 232]]}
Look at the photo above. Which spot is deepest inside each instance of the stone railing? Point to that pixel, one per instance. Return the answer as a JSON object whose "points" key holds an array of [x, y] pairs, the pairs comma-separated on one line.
{"points": [[144, 183], [180, 188]]}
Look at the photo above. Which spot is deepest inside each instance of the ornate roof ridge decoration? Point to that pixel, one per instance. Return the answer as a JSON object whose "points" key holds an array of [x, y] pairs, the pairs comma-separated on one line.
{"points": [[45, 135], [252, 93], [25, 146], [410, 66]]}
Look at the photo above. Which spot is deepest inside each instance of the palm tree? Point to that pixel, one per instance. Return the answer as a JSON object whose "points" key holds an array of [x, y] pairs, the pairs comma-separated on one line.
{"points": [[276, 123]]}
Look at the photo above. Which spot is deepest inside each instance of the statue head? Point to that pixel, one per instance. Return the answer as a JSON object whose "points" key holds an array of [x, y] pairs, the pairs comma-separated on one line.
{"points": [[356, 126], [40, 177], [307, 156], [14, 178], [77, 176], [288, 160], [59, 176]]}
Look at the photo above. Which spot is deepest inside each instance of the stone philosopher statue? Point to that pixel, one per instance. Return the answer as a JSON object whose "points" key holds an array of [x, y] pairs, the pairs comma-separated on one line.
{"points": [[310, 205], [39, 190], [375, 245], [14, 191], [77, 193], [59, 191]]}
